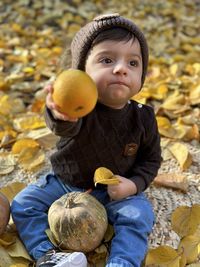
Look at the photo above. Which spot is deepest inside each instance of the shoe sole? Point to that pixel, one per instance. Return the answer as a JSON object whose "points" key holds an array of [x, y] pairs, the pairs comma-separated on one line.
{"points": [[76, 259]]}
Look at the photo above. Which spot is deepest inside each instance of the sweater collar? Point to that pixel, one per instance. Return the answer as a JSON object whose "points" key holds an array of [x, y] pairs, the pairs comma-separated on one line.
{"points": [[109, 112]]}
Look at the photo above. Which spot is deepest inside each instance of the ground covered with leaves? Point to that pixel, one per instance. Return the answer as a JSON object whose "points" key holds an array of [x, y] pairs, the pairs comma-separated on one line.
{"points": [[32, 37]]}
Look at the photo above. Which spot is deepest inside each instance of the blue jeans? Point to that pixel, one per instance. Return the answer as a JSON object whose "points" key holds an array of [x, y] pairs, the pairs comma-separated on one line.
{"points": [[132, 219]]}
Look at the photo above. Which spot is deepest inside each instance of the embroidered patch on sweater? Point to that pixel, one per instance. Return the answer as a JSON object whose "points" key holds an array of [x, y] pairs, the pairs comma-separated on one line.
{"points": [[130, 149]]}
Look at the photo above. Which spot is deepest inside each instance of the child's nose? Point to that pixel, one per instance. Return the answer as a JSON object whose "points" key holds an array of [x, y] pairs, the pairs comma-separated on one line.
{"points": [[120, 68]]}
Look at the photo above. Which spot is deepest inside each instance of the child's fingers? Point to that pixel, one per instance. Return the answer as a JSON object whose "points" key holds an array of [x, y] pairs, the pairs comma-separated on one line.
{"points": [[48, 88], [53, 107], [49, 101], [67, 118], [63, 117]]}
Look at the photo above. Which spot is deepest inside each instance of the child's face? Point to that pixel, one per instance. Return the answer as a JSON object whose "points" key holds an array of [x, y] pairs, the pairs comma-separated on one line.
{"points": [[116, 67]]}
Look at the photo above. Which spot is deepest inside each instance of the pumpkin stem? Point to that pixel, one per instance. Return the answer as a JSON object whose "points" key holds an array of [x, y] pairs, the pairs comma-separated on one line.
{"points": [[69, 203]]}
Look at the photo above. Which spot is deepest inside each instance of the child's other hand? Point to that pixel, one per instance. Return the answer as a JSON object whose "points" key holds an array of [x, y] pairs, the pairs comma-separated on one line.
{"points": [[54, 108], [122, 190]]}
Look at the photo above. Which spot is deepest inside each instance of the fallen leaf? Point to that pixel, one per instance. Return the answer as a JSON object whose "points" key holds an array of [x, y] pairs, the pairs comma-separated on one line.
{"points": [[7, 261], [7, 239], [181, 153], [191, 247], [175, 101], [23, 143], [12, 189], [185, 220], [194, 95], [43, 136], [31, 158], [17, 250], [7, 163], [172, 180], [163, 256], [29, 122], [165, 128]]}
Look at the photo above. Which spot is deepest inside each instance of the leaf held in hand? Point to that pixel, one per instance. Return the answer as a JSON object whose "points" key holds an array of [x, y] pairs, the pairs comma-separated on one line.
{"points": [[103, 175]]}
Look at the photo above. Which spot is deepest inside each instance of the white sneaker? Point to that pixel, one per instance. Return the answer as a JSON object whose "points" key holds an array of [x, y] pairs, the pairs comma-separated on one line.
{"points": [[62, 259], [75, 259]]}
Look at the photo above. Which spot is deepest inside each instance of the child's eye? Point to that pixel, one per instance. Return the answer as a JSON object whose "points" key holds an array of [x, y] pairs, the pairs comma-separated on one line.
{"points": [[134, 63], [106, 60]]}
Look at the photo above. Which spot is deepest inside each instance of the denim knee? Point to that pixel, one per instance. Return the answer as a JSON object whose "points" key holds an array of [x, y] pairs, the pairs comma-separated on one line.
{"points": [[135, 209]]}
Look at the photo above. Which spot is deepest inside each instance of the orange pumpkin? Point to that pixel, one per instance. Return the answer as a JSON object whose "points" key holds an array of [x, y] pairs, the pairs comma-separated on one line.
{"points": [[4, 212], [78, 221]]}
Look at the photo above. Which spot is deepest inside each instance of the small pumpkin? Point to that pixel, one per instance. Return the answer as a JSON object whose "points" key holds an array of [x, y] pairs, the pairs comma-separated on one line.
{"points": [[78, 221], [4, 212]]}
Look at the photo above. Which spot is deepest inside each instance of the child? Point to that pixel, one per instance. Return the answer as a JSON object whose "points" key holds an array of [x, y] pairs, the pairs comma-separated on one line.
{"points": [[118, 134]]}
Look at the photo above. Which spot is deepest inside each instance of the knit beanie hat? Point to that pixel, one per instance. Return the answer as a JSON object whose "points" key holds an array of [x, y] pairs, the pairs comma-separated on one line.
{"points": [[83, 39]]}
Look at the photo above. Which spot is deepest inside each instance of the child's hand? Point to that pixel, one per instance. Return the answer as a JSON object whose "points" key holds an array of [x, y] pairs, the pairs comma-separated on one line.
{"points": [[54, 108], [122, 190]]}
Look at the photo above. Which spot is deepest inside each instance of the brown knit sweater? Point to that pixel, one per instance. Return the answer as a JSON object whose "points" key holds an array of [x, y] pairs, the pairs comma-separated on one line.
{"points": [[126, 141]]}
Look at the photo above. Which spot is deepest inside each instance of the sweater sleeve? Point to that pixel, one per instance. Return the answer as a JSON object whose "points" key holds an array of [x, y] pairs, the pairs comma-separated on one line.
{"points": [[148, 158], [59, 127]]}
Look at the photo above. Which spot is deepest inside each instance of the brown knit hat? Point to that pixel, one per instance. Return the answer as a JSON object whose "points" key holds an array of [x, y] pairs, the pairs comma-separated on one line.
{"points": [[83, 39]]}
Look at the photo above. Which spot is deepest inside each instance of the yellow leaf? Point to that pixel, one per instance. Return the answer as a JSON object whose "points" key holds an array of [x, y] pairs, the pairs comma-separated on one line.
{"points": [[5, 106], [37, 106], [7, 163], [17, 250], [103, 175], [158, 92], [175, 131], [191, 247], [188, 119], [173, 69], [28, 122], [9, 105], [139, 98], [3, 84], [20, 264], [175, 101], [28, 70], [23, 143], [7, 239], [154, 72], [162, 90], [194, 95], [166, 154], [163, 256], [164, 127], [11, 190], [5, 259], [73, 28], [44, 137], [173, 180], [181, 153], [185, 220], [189, 132], [180, 131], [7, 137], [31, 157]]}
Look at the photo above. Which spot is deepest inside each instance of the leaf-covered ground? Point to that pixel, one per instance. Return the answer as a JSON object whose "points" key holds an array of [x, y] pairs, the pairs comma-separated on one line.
{"points": [[32, 36]]}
